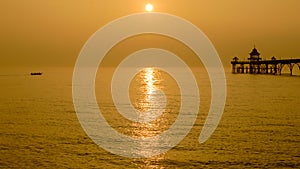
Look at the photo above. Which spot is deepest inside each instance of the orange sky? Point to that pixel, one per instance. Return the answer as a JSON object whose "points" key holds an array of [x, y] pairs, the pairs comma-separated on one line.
{"points": [[52, 33]]}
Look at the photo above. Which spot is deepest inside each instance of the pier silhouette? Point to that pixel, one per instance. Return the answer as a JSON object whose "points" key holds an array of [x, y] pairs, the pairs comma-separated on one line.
{"points": [[255, 64]]}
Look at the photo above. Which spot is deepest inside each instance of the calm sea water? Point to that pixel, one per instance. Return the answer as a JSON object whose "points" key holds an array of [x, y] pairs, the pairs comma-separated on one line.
{"points": [[260, 126]]}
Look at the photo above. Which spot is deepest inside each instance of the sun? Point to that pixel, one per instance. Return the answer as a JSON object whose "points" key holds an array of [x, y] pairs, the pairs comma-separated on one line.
{"points": [[149, 7]]}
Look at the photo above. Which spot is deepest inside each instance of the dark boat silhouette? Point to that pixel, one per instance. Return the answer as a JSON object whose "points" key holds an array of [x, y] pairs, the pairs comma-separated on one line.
{"points": [[36, 73]]}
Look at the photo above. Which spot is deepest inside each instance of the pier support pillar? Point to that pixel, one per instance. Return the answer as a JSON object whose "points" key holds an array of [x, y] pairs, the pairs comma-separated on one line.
{"points": [[251, 68], [233, 68], [275, 69], [242, 66]]}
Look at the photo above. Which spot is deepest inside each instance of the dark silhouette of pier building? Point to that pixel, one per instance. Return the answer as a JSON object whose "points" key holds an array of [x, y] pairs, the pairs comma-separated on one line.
{"points": [[255, 64]]}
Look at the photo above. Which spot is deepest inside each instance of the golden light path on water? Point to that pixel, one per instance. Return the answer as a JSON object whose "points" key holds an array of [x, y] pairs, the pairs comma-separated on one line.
{"points": [[149, 79], [146, 80], [148, 87]]}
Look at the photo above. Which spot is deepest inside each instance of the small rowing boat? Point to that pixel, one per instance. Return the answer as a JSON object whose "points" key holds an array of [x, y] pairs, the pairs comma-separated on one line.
{"points": [[35, 73]]}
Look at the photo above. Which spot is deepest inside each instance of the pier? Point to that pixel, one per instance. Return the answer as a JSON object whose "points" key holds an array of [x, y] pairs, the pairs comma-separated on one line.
{"points": [[255, 64]]}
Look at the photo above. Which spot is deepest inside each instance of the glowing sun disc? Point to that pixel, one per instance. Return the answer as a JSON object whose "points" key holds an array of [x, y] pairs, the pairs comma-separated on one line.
{"points": [[149, 7]]}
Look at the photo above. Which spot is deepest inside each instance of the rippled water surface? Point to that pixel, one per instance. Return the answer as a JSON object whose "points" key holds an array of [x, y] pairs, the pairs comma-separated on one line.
{"points": [[39, 128]]}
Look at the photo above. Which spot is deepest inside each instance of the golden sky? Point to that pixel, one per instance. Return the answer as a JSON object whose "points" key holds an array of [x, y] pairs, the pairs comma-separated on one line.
{"points": [[52, 32]]}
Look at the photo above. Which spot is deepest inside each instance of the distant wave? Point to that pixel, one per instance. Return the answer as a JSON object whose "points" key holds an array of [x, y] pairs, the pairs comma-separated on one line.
{"points": [[5, 75]]}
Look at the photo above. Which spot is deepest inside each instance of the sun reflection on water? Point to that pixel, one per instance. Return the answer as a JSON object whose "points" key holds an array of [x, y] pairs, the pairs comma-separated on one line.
{"points": [[149, 80], [154, 93], [148, 90], [151, 90]]}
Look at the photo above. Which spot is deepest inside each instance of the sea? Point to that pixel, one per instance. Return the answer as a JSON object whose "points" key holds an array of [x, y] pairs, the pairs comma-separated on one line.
{"points": [[259, 128]]}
